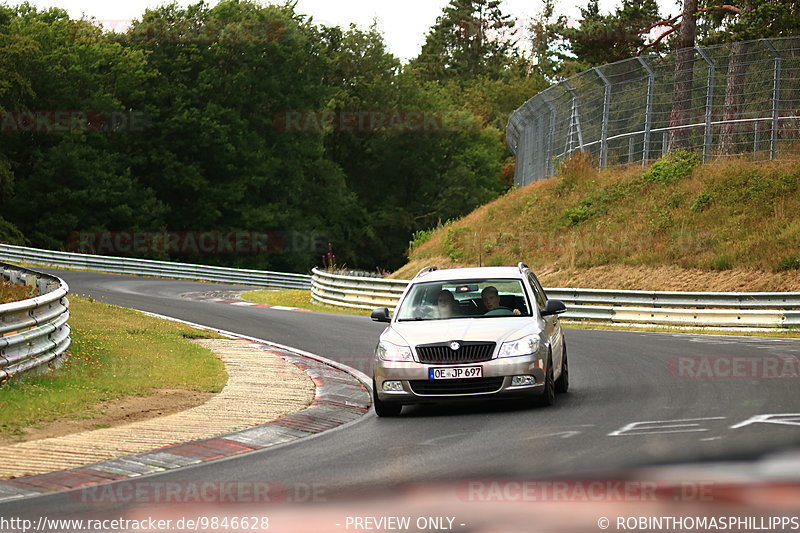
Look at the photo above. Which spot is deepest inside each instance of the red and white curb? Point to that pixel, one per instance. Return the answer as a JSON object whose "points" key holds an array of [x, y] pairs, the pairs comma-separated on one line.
{"points": [[236, 300], [342, 396]]}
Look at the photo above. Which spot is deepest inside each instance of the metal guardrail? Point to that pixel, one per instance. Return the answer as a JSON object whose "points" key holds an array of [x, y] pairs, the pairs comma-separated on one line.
{"points": [[34, 334], [354, 291], [703, 309], [149, 267]]}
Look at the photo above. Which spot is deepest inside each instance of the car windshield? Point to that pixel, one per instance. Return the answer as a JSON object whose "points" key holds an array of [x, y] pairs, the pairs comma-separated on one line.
{"points": [[465, 298]]}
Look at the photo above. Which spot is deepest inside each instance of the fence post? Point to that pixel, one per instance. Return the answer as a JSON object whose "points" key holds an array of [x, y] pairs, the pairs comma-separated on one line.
{"points": [[604, 124], [630, 149], [776, 94], [648, 114], [756, 136], [551, 131], [707, 136], [525, 160], [574, 120]]}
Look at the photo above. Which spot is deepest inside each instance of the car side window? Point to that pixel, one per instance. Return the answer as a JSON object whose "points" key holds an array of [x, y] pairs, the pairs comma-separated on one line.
{"points": [[541, 299]]}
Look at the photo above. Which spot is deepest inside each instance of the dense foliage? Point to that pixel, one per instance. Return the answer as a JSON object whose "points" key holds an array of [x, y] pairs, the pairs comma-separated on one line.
{"points": [[247, 118], [187, 122]]}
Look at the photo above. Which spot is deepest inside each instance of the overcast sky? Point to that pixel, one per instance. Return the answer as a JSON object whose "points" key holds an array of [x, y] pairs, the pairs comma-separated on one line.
{"points": [[404, 23]]}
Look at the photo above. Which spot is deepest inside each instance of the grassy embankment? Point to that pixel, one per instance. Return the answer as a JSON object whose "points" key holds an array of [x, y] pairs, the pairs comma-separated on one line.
{"points": [[115, 353], [731, 225]]}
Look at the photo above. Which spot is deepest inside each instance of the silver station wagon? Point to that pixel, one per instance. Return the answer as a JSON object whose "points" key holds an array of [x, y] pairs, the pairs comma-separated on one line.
{"points": [[468, 333]]}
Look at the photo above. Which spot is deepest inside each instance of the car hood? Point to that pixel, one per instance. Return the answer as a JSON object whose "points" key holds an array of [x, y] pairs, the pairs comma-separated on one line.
{"points": [[460, 329]]}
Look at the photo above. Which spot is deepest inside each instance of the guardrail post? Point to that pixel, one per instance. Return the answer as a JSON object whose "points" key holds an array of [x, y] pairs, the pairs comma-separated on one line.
{"points": [[604, 121], [776, 95], [707, 135], [648, 113]]}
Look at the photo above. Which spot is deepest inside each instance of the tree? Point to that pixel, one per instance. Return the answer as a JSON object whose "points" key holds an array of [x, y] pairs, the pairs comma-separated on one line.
{"points": [[217, 153], [684, 74], [601, 39], [16, 53], [546, 42], [741, 22], [71, 179], [721, 22], [471, 38]]}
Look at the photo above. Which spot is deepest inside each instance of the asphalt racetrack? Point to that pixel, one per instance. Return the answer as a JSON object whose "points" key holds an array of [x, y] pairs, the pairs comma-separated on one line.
{"points": [[636, 400]]}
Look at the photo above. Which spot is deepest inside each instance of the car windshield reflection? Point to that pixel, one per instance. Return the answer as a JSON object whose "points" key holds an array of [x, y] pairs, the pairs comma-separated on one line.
{"points": [[468, 298]]}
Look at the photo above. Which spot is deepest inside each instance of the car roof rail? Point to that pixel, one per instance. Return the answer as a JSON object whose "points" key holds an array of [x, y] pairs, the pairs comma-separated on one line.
{"points": [[426, 269], [522, 266]]}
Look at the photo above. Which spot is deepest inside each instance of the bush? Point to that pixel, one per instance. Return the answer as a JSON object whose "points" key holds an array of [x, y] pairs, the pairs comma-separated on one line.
{"points": [[722, 262], [10, 234], [788, 262], [580, 212], [420, 237], [456, 242], [578, 167], [671, 167], [702, 201]]}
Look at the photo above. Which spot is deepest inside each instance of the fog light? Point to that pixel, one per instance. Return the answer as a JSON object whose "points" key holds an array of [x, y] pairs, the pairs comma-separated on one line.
{"points": [[392, 386], [517, 381]]}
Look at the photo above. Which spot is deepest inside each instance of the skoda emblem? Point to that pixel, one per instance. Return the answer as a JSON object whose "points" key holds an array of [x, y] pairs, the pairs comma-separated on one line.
{"points": [[455, 346]]}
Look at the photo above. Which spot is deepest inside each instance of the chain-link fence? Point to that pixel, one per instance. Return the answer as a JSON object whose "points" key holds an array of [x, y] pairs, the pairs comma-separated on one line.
{"points": [[740, 98]]}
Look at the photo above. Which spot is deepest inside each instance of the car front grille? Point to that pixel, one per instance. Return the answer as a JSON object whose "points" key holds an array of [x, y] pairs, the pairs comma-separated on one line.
{"points": [[440, 353], [456, 386]]}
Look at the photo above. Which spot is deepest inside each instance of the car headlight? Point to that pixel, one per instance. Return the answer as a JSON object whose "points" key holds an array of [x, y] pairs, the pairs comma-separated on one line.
{"points": [[525, 346], [392, 352]]}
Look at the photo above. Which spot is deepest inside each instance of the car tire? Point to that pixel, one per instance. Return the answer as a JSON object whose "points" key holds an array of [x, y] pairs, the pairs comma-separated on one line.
{"points": [[562, 383], [384, 409], [548, 396]]}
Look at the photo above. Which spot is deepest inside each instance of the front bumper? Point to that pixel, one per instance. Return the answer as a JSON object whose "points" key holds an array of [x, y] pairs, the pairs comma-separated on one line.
{"points": [[496, 380]]}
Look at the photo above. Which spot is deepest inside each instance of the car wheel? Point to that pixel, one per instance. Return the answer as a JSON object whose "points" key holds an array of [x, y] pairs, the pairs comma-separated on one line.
{"points": [[562, 383], [384, 409], [548, 396]]}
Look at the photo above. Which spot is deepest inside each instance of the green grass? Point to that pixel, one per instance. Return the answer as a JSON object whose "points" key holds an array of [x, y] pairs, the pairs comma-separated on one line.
{"points": [[115, 352], [297, 298], [11, 292]]}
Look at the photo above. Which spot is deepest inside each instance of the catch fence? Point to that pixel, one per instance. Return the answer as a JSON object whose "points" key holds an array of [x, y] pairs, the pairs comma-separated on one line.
{"points": [[743, 98]]}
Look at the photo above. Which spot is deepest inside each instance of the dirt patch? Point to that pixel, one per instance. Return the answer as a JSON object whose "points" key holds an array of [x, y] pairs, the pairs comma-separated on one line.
{"points": [[114, 413]]}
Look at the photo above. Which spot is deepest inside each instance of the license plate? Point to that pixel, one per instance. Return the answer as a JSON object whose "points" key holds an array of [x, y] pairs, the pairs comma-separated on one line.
{"points": [[455, 372]]}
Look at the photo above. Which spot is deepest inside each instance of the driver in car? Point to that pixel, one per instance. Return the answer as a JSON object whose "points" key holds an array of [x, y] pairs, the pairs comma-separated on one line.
{"points": [[491, 299]]}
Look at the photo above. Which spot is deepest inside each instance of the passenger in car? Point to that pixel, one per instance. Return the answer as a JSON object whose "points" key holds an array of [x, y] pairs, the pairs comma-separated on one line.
{"points": [[446, 306]]}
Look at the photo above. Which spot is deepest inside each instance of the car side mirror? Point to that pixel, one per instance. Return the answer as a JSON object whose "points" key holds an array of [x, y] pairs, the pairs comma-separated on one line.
{"points": [[381, 314], [554, 307]]}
